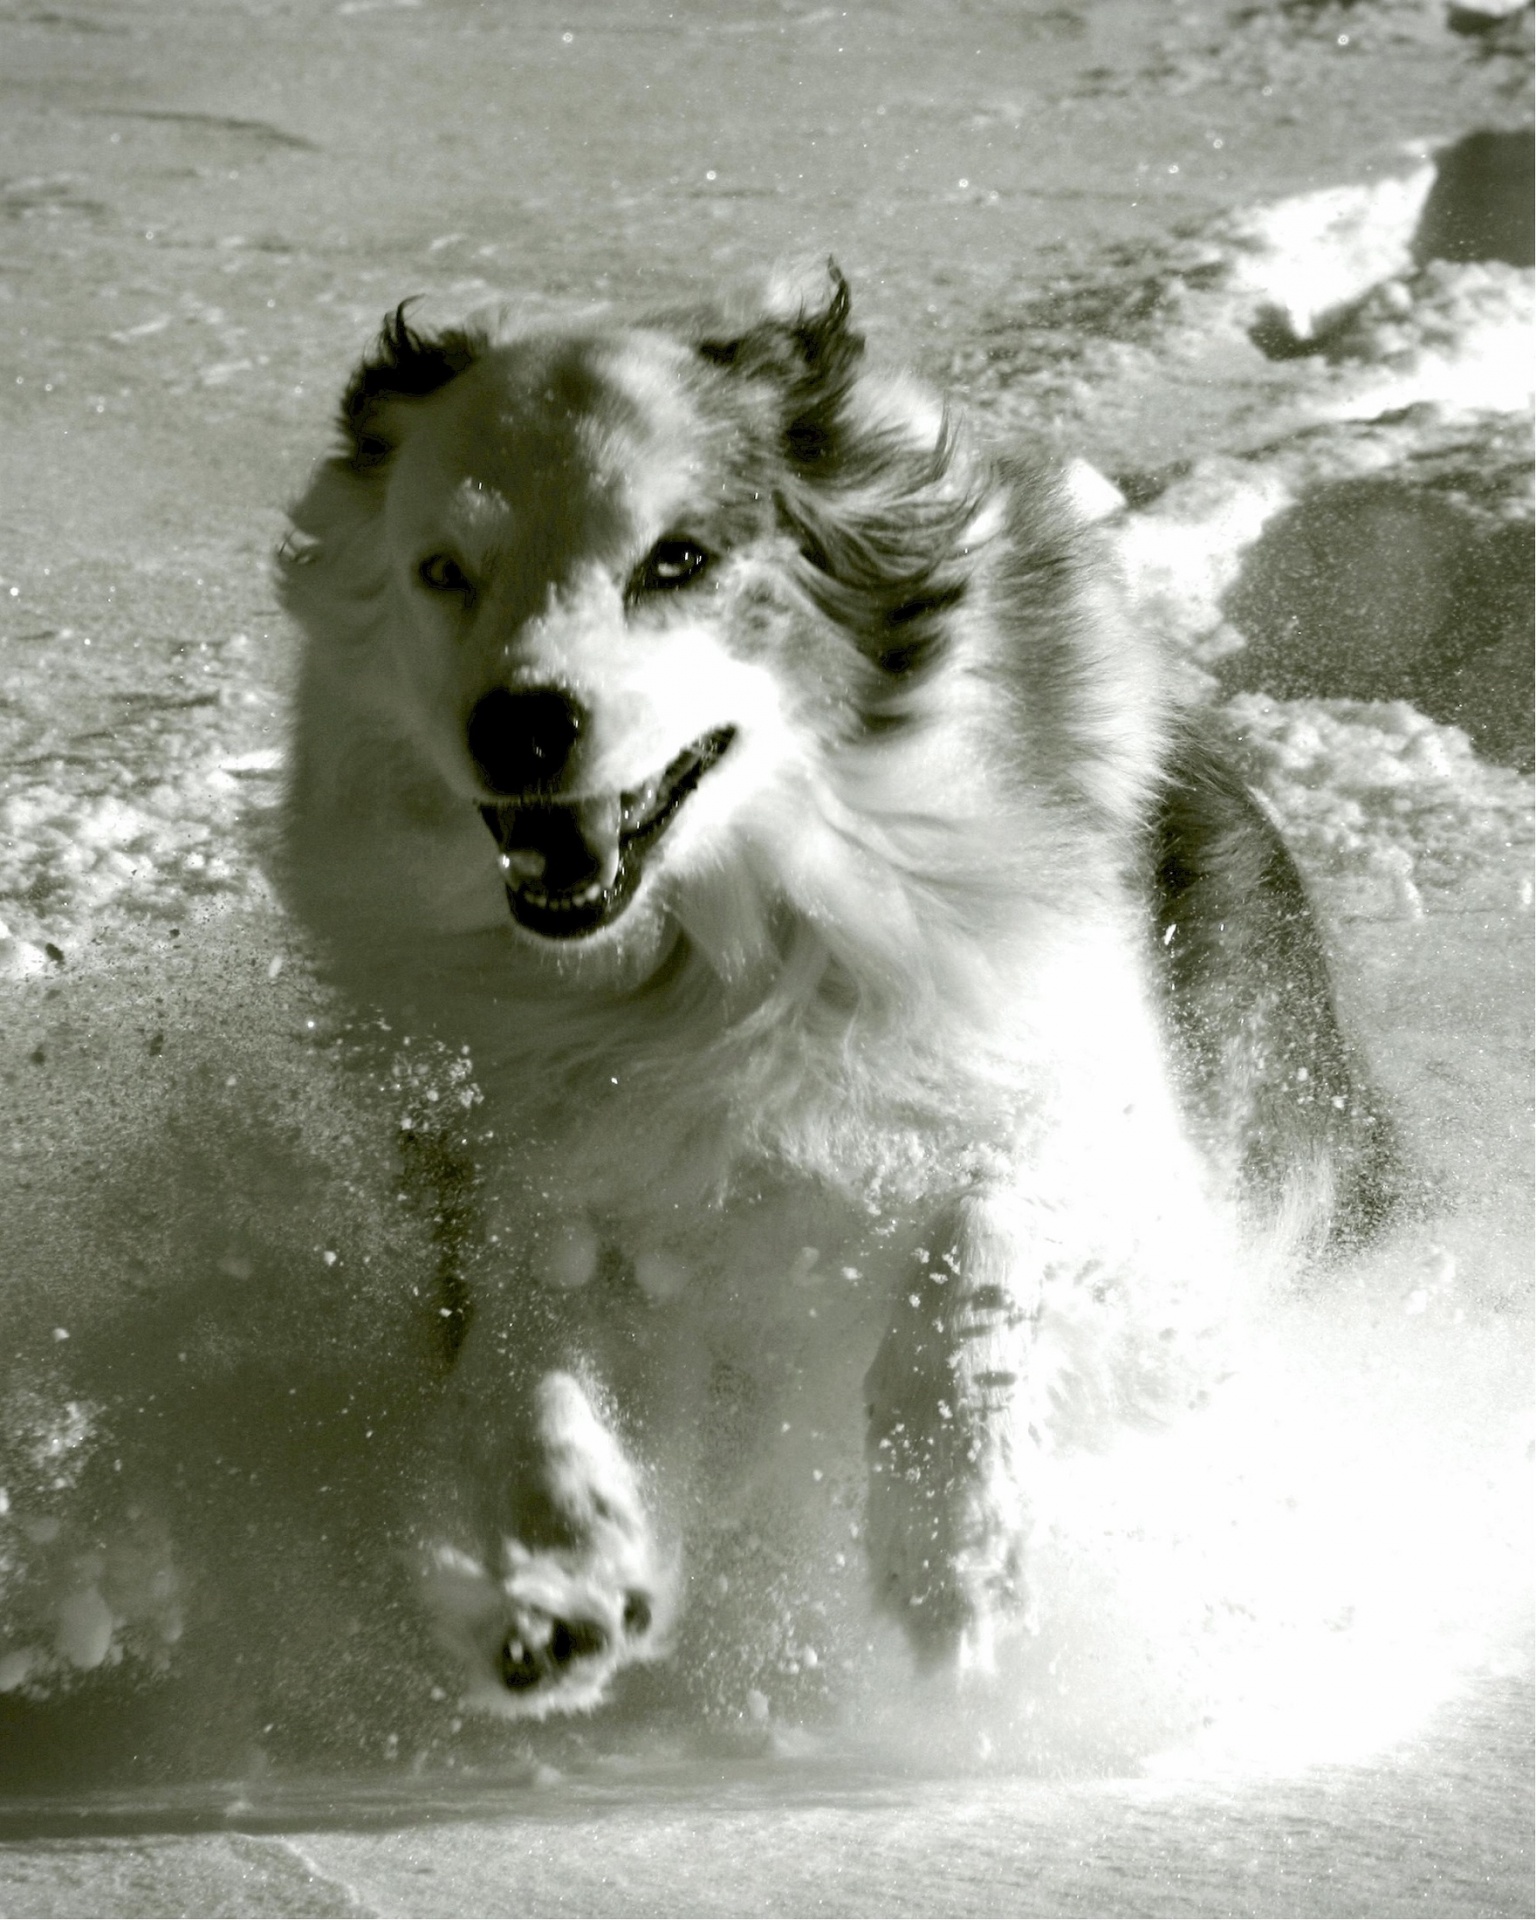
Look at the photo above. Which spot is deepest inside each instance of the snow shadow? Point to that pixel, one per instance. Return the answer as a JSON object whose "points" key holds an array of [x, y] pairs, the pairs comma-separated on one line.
{"points": [[1375, 589]]}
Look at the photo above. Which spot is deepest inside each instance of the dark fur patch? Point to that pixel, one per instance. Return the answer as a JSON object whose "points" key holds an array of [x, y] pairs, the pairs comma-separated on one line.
{"points": [[879, 522], [1261, 1059], [813, 358], [405, 365]]}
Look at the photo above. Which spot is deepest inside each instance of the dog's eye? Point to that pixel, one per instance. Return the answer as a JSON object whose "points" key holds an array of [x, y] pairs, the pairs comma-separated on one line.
{"points": [[670, 563], [442, 574]]}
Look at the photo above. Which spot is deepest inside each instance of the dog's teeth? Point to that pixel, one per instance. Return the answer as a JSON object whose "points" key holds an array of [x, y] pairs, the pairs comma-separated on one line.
{"points": [[562, 902], [612, 828]]}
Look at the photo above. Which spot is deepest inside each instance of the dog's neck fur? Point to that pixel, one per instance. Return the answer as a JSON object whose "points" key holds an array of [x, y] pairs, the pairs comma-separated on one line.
{"points": [[852, 1000]]}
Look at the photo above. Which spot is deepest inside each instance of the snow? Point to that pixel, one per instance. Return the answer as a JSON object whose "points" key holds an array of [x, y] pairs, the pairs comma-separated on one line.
{"points": [[1330, 1572], [1304, 260], [1373, 788]]}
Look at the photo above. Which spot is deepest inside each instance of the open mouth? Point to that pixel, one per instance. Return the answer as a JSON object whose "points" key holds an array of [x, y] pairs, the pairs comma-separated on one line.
{"points": [[573, 866]]}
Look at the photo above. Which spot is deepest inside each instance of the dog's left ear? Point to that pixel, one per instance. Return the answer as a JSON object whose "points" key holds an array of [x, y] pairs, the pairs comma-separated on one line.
{"points": [[405, 365], [805, 345]]}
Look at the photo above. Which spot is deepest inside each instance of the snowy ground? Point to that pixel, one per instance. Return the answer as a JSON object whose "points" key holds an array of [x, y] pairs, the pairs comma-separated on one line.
{"points": [[1205, 249]]}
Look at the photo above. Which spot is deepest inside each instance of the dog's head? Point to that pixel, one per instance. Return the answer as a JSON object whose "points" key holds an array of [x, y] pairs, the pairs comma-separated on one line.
{"points": [[628, 580]]}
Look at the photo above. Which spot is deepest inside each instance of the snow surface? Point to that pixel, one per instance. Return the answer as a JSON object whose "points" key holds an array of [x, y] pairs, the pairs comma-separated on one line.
{"points": [[207, 1224]]}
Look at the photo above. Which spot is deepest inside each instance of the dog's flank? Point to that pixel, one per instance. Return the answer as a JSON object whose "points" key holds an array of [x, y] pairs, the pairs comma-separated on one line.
{"points": [[1270, 1082], [767, 789]]}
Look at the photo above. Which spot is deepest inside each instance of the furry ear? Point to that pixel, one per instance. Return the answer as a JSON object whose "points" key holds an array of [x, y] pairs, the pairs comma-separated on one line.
{"points": [[871, 489], [807, 348], [405, 365]]}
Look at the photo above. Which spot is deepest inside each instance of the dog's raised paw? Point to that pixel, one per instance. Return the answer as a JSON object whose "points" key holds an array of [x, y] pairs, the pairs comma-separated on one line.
{"points": [[534, 1653], [543, 1629], [568, 1660]]}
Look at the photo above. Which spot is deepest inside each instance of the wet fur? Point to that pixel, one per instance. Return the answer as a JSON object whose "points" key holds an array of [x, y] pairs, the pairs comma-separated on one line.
{"points": [[898, 993]]}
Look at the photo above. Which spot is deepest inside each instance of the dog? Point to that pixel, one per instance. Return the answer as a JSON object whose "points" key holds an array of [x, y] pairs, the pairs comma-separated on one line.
{"points": [[760, 788]]}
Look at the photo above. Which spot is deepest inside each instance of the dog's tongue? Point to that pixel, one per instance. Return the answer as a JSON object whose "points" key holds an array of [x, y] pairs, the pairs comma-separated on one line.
{"points": [[563, 847]]}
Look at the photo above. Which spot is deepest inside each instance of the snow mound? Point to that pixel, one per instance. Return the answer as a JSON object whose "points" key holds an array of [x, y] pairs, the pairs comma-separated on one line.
{"points": [[148, 847], [1375, 790], [1297, 262]]}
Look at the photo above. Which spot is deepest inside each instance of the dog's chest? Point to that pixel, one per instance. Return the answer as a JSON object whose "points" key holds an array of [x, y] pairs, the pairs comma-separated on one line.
{"points": [[675, 1239]]}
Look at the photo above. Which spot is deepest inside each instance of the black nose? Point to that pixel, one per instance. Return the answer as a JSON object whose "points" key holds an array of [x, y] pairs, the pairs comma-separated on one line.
{"points": [[522, 741]]}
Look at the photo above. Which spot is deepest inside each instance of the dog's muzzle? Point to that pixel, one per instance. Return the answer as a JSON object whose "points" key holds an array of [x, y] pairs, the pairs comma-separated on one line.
{"points": [[573, 866]]}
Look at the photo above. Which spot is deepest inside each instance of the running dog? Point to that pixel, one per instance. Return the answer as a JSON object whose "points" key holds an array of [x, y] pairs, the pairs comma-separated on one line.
{"points": [[763, 787]]}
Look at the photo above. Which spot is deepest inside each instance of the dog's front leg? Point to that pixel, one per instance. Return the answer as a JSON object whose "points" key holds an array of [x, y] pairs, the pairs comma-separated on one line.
{"points": [[543, 1568], [951, 1433]]}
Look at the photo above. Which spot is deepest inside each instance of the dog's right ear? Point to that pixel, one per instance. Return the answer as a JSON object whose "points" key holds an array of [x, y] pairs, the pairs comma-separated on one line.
{"points": [[405, 365], [805, 346], [799, 328]]}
